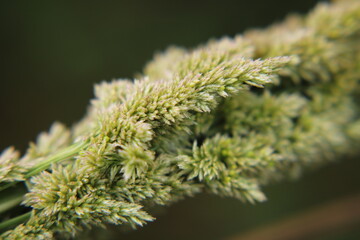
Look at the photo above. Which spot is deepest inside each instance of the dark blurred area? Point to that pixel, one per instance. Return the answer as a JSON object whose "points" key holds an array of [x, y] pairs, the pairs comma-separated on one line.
{"points": [[53, 52]]}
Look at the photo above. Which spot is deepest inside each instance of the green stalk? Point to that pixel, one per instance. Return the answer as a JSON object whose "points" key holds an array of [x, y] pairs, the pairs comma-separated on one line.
{"points": [[45, 164], [14, 221], [10, 202], [59, 156]]}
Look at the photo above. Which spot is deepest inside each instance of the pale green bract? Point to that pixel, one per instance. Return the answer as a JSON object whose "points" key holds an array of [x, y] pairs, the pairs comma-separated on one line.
{"points": [[226, 118]]}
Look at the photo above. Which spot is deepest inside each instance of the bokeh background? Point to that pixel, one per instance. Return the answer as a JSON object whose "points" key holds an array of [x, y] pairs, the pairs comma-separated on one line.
{"points": [[53, 52]]}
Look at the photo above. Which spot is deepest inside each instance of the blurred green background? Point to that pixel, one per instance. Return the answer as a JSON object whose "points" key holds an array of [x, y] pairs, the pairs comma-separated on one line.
{"points": [[53, 52]]}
